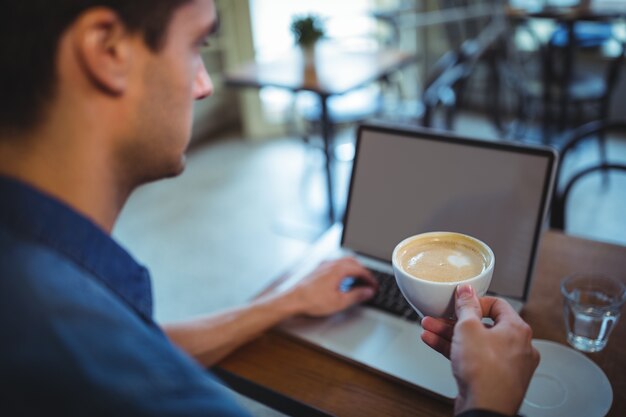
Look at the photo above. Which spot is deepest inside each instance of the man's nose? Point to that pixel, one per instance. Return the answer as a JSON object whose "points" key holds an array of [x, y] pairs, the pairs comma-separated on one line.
{"points": [[203, 84]]}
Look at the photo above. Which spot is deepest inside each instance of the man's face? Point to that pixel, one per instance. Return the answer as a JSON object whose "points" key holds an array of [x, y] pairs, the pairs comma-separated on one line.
{"points": [[169, 81]]}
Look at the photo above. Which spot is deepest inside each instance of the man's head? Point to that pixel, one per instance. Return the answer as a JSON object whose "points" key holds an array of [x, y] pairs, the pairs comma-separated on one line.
{"points": [[133, 64]]}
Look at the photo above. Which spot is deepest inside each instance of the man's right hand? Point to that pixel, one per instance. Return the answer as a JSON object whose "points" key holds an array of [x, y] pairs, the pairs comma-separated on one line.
{"points": [[320, 294], [492, 365]]}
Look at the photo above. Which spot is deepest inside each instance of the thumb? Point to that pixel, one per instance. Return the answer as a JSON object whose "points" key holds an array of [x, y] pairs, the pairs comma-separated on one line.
{"points": [[467, 304]]}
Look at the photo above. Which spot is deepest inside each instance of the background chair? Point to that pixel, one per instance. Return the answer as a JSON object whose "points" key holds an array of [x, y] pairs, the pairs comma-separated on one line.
{"points": [[440, 96], [458, 31], [534, 71], [444, 91], [446, 86], [588, 93], [563, 186]]}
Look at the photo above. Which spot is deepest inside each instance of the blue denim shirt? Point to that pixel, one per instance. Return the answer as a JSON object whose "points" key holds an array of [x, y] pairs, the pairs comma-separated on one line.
{"points": [[76, 331]]}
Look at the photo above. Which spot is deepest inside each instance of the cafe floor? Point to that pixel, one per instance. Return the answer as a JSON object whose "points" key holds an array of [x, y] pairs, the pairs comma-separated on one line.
{"points": [[243, 212]]}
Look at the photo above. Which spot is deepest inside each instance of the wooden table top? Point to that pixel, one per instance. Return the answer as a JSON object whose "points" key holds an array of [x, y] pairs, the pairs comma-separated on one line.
{"points": [[336, 71], [339, 387]]}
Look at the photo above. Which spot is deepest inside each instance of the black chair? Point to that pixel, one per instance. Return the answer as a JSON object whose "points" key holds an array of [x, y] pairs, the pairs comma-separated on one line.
{"points": [[458, 31], [441, 95], [562, 186], [536, 77], [520, 69], [445, 90], [587, 92]]}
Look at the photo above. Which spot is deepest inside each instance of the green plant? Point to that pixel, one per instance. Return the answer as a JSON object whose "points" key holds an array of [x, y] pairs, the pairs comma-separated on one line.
{"points": [[307, 29]]}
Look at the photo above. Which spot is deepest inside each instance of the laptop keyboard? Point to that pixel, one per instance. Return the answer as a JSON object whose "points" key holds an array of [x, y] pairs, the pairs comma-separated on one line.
{"points": [[390, 299]]}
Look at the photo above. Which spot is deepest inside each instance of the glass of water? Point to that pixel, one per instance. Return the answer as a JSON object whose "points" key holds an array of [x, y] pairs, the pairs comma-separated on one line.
{"points": [[591, 307]]}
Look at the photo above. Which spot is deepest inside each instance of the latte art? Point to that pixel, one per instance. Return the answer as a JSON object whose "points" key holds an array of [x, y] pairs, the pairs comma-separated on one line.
{"points": [[442, 260], [429, 267]]}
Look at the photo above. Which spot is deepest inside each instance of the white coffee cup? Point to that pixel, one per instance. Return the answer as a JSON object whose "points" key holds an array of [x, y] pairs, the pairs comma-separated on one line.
{"points": [[427, 295]]}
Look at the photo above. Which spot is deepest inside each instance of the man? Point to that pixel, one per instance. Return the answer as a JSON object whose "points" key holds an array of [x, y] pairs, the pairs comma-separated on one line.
{"points": [[96, 99]]}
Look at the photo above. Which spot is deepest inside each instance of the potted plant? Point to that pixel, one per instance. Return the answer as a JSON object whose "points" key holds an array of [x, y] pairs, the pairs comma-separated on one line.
{"points": [[307, 30]]}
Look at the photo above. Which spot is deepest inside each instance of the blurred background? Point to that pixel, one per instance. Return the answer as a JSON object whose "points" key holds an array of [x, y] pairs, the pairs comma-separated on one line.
{"points": [[280, 127]]}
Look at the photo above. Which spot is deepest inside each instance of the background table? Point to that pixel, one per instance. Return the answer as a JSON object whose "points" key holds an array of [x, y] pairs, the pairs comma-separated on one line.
{"points": [[339, 387], [336, 72]]}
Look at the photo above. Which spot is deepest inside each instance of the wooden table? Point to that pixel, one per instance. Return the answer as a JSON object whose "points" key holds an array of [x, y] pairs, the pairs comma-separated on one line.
{"points": [[341, 388], [336, 71]]}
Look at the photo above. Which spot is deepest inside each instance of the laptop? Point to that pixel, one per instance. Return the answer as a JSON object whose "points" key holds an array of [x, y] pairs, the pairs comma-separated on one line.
{"points": [[411, 180]]}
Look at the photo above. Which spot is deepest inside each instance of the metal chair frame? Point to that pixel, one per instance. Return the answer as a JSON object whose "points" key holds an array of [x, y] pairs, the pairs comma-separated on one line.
{"points": [[561, 194]]}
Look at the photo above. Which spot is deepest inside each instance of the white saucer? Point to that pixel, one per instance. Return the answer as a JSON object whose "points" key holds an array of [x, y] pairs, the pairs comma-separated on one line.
{"points": [[566, 383]]}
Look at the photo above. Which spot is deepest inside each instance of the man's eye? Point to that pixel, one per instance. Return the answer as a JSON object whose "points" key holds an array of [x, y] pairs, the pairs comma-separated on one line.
{"points": [[204, 43]]}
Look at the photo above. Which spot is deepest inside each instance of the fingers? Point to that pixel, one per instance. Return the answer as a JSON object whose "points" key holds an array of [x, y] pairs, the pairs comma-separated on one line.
{"points": [[358, 270], [350, 267], [442, 327], [358, 295], [498, 310], [536, 358], [467, 305], [438, 334], [436, 342]]}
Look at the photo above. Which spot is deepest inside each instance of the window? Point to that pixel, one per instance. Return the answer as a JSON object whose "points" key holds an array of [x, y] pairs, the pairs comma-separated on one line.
{"points": [[272, 37]]}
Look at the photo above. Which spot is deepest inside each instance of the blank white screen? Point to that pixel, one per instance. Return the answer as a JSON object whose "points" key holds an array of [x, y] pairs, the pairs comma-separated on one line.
{"points": [[403, 185]]}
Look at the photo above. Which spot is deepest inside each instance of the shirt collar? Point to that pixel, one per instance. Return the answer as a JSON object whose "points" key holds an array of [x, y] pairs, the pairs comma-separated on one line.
{"points": [[42, 218]]}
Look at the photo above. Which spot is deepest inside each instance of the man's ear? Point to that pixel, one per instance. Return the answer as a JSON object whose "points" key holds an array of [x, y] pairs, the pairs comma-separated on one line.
{"points": [[104, 48]]}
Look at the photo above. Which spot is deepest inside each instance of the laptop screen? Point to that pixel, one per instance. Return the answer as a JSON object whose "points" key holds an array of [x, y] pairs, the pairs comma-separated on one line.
{"points": [[406, 182]]}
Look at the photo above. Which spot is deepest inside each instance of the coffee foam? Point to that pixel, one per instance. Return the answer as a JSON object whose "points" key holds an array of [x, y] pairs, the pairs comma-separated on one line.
{"points": [[443, 259]]}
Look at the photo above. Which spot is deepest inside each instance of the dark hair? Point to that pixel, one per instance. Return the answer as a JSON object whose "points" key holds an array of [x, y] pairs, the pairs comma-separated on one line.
{"points": [[29, 34]]}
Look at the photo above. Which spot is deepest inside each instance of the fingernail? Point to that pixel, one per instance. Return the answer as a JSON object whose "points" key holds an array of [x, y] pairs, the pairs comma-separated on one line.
{"points": [[464, 291]]}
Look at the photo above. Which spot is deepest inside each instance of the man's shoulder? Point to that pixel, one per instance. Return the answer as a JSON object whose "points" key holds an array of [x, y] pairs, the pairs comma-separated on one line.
{"points": [[66, 336], [56, 298], [31, 269], [41, 287]]}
